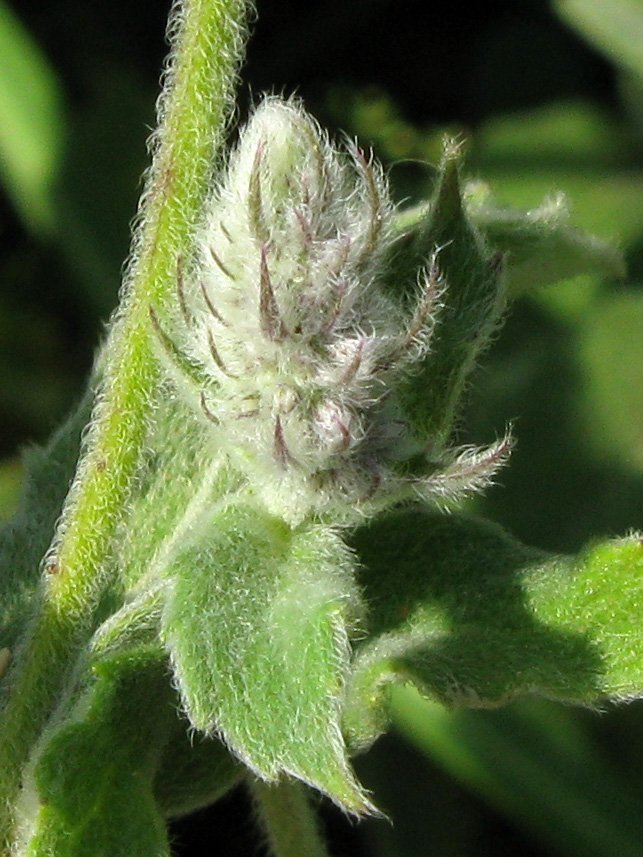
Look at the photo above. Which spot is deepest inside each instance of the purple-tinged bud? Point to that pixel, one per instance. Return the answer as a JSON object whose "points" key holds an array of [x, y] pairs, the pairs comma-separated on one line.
{"points": [[287, 317]]}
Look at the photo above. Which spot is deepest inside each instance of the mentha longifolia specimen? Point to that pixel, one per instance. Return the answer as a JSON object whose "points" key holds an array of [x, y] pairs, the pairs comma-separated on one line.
{"points": [[291, 346]]}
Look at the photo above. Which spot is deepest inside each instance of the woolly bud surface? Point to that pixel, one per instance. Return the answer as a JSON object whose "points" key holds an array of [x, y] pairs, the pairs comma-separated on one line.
{"points": [[299, 348]]}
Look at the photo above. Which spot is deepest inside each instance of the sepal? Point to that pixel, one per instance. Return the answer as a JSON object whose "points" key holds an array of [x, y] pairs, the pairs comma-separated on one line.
{"points": [[472, 297]]}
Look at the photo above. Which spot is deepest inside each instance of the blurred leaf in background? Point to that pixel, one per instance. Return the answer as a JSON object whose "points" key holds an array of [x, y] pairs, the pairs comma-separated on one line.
{"points": [[611, 25], [33, 125], [71, 170]]}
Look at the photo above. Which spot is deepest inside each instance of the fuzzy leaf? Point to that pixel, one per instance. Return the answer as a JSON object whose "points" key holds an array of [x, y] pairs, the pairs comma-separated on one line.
{"points": [[473, 298], [178, 479], [95, 775], [542, 247], [194, 772], [25, 538], [473, 618], [257, 626]]}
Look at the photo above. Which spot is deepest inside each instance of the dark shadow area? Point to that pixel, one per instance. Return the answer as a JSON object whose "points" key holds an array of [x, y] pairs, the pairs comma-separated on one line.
{"points": [[429, 813], [554, 493], [225, 828], [228, 829]]}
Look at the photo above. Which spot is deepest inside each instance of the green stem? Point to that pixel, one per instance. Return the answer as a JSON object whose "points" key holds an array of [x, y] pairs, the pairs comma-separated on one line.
{"points": [[288, 820], [207, 43]]}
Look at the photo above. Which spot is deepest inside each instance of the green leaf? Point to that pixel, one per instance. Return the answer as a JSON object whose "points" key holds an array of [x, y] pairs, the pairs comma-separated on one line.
{"points": [[194, 772], [472, 301], [178, 479], [473, 618], [31, 131], [542, 247], [25, 538], [257, 625], [614, 26], [95, 775]]}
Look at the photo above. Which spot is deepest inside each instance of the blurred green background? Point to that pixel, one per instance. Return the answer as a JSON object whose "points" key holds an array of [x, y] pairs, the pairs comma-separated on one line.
{"points": [[549, 97]]}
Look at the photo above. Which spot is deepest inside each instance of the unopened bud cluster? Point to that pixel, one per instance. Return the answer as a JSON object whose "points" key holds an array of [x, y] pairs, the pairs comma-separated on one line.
{"points": [[300, 348]]}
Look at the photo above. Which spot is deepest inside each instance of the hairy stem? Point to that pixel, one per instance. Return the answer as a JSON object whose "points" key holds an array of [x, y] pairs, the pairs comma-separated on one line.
{"points": [[288, 821], [207, 38]]}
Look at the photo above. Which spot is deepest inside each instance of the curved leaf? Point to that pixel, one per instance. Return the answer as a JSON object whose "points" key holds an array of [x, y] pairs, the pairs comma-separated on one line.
{"points": [[474, 618], [542, 247], [25, 538], [95, 775], [257, 625], [194, 772]]}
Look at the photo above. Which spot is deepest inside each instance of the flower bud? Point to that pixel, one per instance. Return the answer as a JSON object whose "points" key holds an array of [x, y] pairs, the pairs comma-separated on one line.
{"points": [[302, 348]]}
